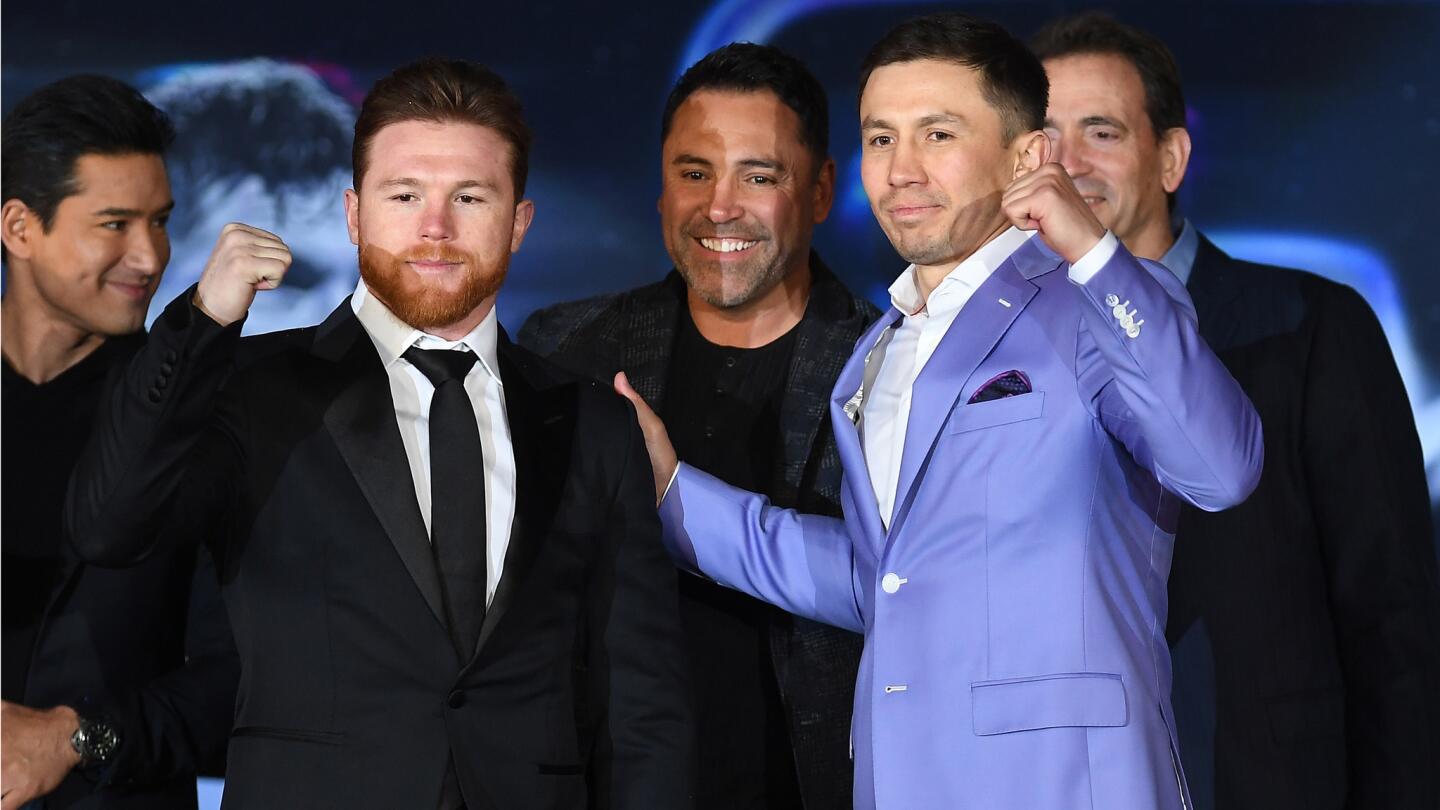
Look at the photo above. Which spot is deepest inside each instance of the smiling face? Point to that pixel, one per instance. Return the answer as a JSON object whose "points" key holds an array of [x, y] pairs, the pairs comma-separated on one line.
{"points": [[934, 161], [436, 222], [1104, 138], [741, 194], [97, 265]]}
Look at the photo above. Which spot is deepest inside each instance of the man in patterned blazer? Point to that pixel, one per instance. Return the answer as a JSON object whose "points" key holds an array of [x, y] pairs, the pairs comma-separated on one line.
{"points": [[738, 349]]}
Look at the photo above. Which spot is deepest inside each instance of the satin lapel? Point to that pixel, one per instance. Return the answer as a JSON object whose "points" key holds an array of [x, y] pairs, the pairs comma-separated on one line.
{"points": [[847, 438], [971, 337], [361, 420], [541, 429]]}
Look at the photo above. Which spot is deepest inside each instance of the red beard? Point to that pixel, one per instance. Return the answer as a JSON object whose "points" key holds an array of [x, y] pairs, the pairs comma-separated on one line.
{"points": [[418, 303]]}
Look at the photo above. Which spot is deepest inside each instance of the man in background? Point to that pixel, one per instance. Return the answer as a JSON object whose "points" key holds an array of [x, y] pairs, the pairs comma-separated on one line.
{"points": [[738, 348], [1303, 622], [118, 685]]}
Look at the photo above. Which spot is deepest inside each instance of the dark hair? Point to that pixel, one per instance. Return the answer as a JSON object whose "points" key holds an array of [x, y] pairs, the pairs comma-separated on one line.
{"points": [[1092, 32], [59, 123], [1011, 78], [444, 91], [746, 67]]}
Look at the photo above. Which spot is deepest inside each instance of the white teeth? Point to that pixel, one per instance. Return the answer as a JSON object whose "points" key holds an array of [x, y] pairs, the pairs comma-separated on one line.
{"points": [[726, 245]]}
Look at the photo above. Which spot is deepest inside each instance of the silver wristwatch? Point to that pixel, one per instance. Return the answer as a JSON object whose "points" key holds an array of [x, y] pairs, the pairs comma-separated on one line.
{"points": [[95, 741]]}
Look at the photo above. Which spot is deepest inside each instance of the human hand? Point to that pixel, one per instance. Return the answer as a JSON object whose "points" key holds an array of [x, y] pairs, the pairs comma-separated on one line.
{"points": [[657, 440], [244, 260], [1046, 200], [35, 751]]}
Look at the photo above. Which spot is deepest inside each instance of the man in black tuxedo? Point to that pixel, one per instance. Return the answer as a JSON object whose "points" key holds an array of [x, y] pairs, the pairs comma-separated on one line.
{"points": [[739, 348], [118, 686], [1303, 623], [439, 552]]}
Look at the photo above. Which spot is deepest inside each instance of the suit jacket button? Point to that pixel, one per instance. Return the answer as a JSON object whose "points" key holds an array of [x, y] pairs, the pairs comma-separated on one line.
{"points": [[171, 357], [154, 394], [456, 699]]}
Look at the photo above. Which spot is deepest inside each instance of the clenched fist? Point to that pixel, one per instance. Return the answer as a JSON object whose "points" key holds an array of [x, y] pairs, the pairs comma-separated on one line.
{"points": [[244, 261], [1046, 200]]}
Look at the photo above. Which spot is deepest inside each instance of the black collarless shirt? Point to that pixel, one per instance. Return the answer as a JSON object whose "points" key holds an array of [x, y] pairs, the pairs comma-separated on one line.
{"points": [[44, 429], [722, 409]]}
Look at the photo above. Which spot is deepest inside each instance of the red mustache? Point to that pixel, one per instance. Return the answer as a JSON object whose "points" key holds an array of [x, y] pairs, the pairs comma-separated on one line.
{"points": [[438, 253]]}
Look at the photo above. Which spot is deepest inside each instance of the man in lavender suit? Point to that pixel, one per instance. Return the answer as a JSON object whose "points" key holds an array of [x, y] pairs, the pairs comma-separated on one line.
{"points": [[1015, 432]]}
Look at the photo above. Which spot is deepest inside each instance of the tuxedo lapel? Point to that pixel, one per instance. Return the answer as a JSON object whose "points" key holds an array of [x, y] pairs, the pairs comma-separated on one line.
{"points": [[979, 326], [541, 429], [361, 420]]}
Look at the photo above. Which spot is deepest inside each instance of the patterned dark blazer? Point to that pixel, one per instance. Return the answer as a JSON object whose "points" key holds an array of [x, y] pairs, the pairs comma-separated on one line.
{"points": [[634, 331]]}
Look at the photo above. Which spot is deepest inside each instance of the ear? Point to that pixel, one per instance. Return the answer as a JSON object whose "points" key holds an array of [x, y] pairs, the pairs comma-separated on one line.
{"points": [[524, 214], [1032, 150], [352, 215], [824, 190], [18, 225], [1174, 157]]}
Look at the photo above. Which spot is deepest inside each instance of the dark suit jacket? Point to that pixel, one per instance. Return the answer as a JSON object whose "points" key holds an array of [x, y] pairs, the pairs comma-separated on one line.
{"points": [[148, 649], [1304, 622], [635, 332], [351, 693]]}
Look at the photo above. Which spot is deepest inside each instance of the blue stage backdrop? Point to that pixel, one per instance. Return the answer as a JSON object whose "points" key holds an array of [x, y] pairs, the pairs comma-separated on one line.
{"points": [[1316, 127]]}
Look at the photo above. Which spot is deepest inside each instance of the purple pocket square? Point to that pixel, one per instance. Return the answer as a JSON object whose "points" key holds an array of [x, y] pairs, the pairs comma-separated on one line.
{"points": [[1011, 383]]}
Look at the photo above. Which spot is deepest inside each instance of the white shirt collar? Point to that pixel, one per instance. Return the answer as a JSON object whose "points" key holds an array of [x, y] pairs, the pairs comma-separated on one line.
{"points": [[393, 336], [966, 277]]}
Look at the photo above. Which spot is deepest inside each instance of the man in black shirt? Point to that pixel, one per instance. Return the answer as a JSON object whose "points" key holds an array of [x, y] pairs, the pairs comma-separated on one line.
{"points": [[738, 350], [101, 707]]}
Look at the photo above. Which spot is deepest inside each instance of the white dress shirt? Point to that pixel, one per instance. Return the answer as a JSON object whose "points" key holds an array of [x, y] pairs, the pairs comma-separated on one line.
{"points": [[411, 392], [886, 409]]}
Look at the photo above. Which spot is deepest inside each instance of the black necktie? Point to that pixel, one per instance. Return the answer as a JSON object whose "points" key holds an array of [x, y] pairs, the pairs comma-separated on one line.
{"points": [[457, 494]]}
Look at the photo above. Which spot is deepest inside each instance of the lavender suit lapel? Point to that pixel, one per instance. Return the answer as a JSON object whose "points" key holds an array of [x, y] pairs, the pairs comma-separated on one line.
{"points": [[979, 327], [847, 438]]}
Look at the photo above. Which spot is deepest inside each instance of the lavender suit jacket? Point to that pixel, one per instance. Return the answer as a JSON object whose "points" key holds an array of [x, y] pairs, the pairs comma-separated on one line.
{"points": [[1014, 613]]}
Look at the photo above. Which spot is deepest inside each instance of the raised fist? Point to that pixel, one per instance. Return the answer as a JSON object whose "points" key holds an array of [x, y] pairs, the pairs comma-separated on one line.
{"points": [[244, 261], [1046, 200]]}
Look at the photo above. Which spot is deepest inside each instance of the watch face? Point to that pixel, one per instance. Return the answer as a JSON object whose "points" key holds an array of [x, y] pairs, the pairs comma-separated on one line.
{"points": [[95, 741]]}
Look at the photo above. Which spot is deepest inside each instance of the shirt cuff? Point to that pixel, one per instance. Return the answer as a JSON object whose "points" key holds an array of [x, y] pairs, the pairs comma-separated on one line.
{"points": [[673, 475], [1090, 263]]}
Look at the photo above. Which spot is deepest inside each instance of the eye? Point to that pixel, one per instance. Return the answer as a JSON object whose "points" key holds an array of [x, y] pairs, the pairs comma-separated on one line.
{"points": [[939, 136], [760, 180], [467, 199], [118, 225], [161, 222], [882, 141], [694, 175], [404, 197], [1106, 135]]}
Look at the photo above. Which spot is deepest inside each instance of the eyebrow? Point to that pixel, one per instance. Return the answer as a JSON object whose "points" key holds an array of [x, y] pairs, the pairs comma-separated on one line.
{"points": [[1100, 120], [688, 159], [924, 121], [398, 182], [129, 213]]}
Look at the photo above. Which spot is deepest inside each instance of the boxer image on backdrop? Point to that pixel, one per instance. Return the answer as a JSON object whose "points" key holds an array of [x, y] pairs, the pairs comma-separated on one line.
{"points": [[439, 552], [1017, 432]]}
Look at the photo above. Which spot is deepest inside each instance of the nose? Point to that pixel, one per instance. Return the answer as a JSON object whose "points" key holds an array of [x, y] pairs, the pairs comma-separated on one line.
{"points": [[1069, 154], [906, 167], [148, 250], [724, 203], [437, 222]]}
